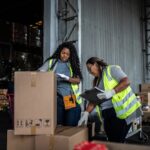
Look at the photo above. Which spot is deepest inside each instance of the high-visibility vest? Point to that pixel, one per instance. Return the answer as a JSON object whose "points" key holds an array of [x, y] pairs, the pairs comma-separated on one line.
{"points": [[74, 87], [124, 102]]}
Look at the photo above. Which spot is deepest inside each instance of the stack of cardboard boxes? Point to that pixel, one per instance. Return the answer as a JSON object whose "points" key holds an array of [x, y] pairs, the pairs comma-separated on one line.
{"points": [[145, 100], [35, 113]]}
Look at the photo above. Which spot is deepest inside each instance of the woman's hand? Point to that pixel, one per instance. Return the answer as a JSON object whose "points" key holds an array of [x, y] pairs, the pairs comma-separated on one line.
{"points": [[63, 76], [106, 95], [84, 118]]}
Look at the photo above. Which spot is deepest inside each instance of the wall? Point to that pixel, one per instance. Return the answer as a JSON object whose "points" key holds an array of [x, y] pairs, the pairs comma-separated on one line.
{"points": [[110, 29]]}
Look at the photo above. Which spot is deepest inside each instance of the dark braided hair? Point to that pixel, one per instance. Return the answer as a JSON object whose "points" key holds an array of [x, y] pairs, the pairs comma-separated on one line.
{"points": [[73, 59], [100, 63]]}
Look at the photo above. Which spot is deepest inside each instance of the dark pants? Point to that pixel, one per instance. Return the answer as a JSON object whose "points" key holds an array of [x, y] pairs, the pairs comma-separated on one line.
{"points": [[68, 117], [116, 129], [93, 117]]}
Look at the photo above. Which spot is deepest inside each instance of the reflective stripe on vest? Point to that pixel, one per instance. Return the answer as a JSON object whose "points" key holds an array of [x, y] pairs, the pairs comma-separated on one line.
{"points": [[50, 64], [124, 102], [74, 87]]}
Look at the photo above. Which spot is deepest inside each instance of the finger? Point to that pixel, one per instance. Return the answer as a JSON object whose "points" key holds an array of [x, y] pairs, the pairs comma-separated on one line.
{"points": [[100, 96], [82, 113], [58, 74], [85, 122], [103, 96], [80, 123]]}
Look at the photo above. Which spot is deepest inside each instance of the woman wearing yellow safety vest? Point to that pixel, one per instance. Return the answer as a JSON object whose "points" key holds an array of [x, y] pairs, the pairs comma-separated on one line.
{"points": [[118, 104], [65, 63]]}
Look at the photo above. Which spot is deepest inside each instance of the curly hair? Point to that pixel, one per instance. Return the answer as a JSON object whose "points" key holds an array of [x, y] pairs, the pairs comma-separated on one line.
{"points": [[74, 59]]}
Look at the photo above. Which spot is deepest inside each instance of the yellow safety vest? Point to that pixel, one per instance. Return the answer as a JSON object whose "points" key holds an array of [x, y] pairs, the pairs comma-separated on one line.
{"points": [[124, 102], [74, 87]]}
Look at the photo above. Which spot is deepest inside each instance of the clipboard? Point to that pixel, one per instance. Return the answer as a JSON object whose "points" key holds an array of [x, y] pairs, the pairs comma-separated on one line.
{"points": [[91, 95]]}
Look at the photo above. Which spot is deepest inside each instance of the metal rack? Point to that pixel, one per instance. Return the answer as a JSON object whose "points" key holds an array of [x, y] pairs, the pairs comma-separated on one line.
{"points": [[134, 130], [137, 128], [68, 17]]}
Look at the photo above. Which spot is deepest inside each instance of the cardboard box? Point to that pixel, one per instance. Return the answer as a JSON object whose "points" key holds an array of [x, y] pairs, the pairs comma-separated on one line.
{"points": [[19, 142], [119, 146], [146, 116], [145, 87], [35, 103], [145, 98], [65, 139]]}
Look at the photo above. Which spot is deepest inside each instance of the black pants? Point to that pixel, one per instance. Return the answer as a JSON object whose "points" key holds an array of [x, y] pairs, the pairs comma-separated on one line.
{"points": [[67, 117], [116, 129]]}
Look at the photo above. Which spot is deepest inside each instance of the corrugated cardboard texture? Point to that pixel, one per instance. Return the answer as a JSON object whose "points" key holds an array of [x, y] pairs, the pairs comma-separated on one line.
{"points": [[145, 87], [16, 142], [66, 139], [145, 98], [35, 103]]}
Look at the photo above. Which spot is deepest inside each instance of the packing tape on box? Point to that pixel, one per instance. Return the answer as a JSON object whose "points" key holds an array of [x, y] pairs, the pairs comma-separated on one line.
{"points": [[51, 142], [33, 130], [33, 79]]}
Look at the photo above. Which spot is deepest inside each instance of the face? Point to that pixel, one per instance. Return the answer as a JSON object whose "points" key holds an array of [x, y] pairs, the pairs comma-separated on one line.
{"points": [[65, 54], [94, 69]]}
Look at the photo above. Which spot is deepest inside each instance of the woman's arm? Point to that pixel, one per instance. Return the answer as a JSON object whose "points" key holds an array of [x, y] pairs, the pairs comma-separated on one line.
{"points": [[74, 80], [123, 84], [119, 75], [90, 107], [44, 67]]}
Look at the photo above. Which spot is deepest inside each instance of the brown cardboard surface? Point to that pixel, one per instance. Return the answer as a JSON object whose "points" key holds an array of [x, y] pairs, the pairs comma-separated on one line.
{"points": [[146, 116], [119, 146], [145, 87], [145, 98], [17, 142], [61, 128], [70, 131], [65, 139], [35, 103]]}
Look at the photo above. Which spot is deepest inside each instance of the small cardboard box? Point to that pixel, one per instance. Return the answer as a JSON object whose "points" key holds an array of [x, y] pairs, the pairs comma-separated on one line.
{"points": [[35, 103], [146, 116], [19, 142], [119, 146], [65, 139], [145, 87], [145, 98]]}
